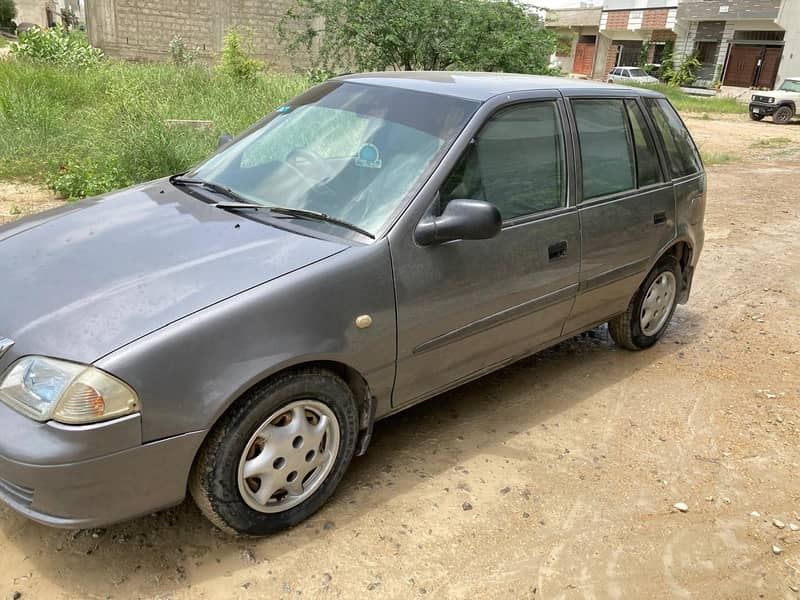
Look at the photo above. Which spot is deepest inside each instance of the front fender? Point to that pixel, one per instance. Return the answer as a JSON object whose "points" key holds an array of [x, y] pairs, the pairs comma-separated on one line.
{"points": [[188, 373]]}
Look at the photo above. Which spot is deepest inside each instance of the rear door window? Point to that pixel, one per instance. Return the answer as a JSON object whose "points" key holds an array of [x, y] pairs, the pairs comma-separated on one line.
{"points": [[607, 157], [682, 154], [648, 168]]}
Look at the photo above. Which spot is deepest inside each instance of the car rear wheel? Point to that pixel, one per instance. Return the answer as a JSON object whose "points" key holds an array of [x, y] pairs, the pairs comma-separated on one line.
{"points": [[278, 454], [650, 309], [783, 115], [756, 116]]}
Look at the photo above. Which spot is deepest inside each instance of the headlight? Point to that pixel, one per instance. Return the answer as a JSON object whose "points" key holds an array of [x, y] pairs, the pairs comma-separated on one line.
{"points": [[753, 97], [46, 388], [771, 100]]}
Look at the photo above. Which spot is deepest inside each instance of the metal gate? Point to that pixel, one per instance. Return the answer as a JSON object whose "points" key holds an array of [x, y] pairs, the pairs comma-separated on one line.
{"points": [[752, 66]]}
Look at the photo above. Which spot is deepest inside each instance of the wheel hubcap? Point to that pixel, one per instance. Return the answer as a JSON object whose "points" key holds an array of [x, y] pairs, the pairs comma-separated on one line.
{"points": [[657, 303], [289, 456]]}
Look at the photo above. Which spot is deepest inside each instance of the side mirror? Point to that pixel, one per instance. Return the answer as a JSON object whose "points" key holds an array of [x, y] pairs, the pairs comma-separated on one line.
{"points": [[461, 220], [224, 140]]}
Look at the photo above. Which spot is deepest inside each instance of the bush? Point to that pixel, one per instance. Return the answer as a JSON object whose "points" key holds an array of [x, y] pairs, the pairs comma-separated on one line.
{"points": [[347, 35], [237, 60], [79, 179], [56, 46], [180, 53], [685, 74]]}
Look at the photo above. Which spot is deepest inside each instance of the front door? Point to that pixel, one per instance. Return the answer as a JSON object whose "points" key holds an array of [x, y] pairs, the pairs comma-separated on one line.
{"points": [[464, 307], [584, 55]]}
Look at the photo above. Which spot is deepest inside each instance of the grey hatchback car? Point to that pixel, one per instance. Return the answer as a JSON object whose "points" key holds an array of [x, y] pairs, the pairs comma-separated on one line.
{"points": [[236, 330]]}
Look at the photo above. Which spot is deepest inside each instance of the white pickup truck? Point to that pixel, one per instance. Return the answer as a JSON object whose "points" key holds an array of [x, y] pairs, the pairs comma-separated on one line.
{"points": [[781, 103]]}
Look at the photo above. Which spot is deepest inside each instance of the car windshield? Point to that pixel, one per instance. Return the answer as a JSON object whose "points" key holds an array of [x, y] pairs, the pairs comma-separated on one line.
{"points": [[353, 152], [791, 85], [637, 73]]}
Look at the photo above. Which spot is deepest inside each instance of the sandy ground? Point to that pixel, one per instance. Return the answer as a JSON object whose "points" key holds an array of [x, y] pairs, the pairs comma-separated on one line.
{"points": [[554, 478]]}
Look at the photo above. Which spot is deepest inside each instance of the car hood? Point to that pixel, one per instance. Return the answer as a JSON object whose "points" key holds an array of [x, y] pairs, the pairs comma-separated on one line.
{"points": [[83, 280]]}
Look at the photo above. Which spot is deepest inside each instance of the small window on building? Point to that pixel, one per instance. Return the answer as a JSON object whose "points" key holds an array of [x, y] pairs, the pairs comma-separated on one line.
{"points": [[606, 147], [682, 154], [658, 53], [648, 169]]}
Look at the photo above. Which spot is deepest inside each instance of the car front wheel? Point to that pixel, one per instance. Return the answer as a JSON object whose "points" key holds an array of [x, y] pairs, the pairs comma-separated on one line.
{"points": [[650, 309], [278, 454], [783, 115]]}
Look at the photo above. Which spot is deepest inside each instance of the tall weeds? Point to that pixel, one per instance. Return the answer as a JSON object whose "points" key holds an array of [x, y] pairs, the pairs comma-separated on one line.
{"points": [[90, 130]]}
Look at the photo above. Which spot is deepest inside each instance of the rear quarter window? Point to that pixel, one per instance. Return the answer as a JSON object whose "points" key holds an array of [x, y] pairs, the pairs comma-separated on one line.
{"points": [[682, 154]]}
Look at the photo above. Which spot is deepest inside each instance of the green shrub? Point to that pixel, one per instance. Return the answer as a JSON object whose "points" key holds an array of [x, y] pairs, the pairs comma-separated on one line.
{"points": [[56, 46], [354, 35], [237, 56], [685, 74], [180, 53], [79, 179]]}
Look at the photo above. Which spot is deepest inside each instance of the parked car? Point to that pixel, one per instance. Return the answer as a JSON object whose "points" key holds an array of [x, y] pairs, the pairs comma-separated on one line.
{"points": [[630, 75], [780, 104], [237, 329]]}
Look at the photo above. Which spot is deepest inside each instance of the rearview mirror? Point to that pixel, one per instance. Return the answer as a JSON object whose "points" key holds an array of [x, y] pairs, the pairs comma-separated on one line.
{"points": [[224, 140], [461, 220]]}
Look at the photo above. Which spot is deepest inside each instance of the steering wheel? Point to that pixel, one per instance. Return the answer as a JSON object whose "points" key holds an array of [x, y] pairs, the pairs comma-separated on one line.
{"points": [[315, 160]]}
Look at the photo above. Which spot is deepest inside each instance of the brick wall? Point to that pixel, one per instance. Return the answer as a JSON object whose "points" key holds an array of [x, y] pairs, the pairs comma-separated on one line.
{"points": [[618, 19], [142, 29], [655, 18], [611, 60]]}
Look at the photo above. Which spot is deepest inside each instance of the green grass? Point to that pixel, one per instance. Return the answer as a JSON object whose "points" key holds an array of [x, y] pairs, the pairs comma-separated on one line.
{"points": [[777, 142], [106, 124], [711, 159], [685, 103]]}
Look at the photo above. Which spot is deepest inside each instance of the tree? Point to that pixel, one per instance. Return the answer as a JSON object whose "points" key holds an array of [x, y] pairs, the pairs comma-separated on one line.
{"points": [[8, 13], [344, 35]]}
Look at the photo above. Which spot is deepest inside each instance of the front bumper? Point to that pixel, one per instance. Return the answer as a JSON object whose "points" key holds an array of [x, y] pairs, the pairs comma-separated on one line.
{"points": [[91, 492], [762, 108]]}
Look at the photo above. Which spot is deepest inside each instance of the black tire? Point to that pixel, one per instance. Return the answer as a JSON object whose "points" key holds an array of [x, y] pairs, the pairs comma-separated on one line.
{"points": [[756, 116], [213, 482], [626, 329], [783, 115]]}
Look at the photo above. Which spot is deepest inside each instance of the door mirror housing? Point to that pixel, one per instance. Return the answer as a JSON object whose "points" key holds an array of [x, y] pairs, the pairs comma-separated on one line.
{"points": [[461, 220], [224, 140]]}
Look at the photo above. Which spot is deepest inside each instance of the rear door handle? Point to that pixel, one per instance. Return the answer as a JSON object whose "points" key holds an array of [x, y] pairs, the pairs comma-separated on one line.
{"points": [[557, 250], [660, 218]]}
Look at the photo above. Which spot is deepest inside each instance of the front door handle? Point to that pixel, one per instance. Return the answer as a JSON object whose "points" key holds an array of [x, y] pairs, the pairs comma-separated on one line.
{"points": [[557, 250], [660, 218]]}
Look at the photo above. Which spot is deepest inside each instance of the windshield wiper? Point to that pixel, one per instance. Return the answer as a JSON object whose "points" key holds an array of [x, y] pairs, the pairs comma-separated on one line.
{"points": [[242, 204], [302, 213], [214, 187]]}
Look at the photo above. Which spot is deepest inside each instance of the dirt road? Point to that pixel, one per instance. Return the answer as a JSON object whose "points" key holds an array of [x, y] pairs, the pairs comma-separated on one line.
{"points": [[554, 478]]}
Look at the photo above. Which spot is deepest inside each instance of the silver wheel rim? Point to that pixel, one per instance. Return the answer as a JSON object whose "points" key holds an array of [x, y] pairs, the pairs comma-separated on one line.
{"points": [[289, 456], [657, 303]]}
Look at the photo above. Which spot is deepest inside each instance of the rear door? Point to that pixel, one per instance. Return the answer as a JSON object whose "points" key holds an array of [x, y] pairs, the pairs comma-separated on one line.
{"points": [[626, 205]]}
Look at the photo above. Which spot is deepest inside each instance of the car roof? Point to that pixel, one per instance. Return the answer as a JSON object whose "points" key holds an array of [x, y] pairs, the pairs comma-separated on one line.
{"points": [[482, 86]]}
